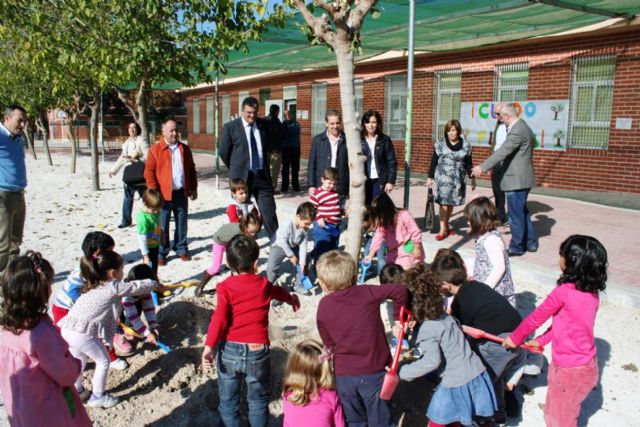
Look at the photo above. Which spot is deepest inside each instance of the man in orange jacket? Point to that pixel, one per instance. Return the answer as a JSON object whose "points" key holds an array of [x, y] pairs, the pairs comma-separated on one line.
{"points": [[170, 168]]}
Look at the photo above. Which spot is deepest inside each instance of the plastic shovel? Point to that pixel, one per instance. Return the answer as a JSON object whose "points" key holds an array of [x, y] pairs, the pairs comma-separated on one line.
{"points": [[303, 279], [480, 334], [364, 267], [391, 379], [132, 331], [185, 284]]}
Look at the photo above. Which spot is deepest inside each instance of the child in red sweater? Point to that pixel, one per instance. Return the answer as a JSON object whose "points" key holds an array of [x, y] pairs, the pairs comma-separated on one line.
{"points": [[242, 204], [326, 230], [238, 333]]}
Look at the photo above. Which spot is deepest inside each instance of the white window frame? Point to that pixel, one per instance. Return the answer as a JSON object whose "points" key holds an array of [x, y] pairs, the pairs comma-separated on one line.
{"points": [[319, 107], [358, 91], [209, 100], [195, 117], [289, 93], [241, 97], [395, 111], [226, 109], [500, 86], [437, 123]]}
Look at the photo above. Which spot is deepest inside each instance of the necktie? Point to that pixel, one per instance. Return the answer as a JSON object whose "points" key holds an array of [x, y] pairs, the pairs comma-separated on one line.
{"points": [[255, 157]]}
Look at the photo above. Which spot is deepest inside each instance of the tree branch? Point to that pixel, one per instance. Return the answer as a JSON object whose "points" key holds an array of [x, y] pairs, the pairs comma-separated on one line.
{"points": [[125, 100], [319, 25], [356, 17]]}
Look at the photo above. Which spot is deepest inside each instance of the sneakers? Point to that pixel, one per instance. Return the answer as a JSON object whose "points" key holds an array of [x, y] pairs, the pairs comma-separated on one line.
{"points": [[122, 346], [104, 401], [84, 394], [119, 364]]}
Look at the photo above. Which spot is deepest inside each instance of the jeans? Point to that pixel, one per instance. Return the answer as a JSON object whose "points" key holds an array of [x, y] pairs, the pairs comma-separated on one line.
{"points": [[324, 238], [127, 203], [361, 403], [178, 206], [372, 189], [380, 255], [290, 161], [523, 235], [12, 214], [235, 362]]}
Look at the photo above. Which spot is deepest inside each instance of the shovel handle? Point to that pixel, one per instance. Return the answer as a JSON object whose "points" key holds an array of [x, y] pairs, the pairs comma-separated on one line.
{"points": [[405, 317], [137, 335]]}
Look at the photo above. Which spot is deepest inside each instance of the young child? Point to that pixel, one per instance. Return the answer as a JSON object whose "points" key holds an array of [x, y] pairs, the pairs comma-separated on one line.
{"points": [[38, 372], [291, 241], [368, 227], [350, 326], [134, 307], [573, 304], [149, 232], [238, 333], [391, 273], [309, 396], [477, 305], [491, 265], [465, 391], [249, 225], [326, 230], [399, 230], [94, 243], [242, 201], [92, 319]]}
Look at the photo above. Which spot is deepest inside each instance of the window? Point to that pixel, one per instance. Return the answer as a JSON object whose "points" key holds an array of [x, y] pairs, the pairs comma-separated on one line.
{"points": [[265, 95], [319, 107], [241, 97], [396, 106], [447, 88], [511, 82], [289, 93], [196, 116], [210, 112], [226, 109], [359, 93], [591, 99]]}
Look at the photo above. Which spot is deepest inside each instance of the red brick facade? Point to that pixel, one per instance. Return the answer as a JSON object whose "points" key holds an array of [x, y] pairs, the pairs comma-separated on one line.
{"points": [[615, 169]]}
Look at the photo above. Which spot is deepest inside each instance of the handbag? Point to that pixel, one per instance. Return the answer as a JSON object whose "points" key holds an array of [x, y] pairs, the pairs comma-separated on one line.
{"points": [[429, 212], [133, 174]]}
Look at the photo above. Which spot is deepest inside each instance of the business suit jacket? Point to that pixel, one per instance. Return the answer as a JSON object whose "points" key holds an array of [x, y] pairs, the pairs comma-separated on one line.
{"points": [[234, 148], [516, 155], [320, 159]]}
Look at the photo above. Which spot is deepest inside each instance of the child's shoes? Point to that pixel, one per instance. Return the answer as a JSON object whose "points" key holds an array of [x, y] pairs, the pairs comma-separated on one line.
{"points": [[84, 393], [122, 346], [119, 364], [104, 401]]}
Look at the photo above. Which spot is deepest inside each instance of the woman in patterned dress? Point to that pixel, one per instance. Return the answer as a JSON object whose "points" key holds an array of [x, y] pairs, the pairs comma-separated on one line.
{"points": [[450, 162]]}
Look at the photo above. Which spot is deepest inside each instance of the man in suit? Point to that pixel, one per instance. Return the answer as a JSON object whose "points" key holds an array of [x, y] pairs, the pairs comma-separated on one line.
{"points": [[496, 140], [244, 148], [276, 133], [517, 156], [171, 169], [329, 149]]}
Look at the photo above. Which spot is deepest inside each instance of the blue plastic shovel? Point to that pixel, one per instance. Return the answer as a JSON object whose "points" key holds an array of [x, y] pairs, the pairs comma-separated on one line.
{"points": [[364, 267], [303, 279]]}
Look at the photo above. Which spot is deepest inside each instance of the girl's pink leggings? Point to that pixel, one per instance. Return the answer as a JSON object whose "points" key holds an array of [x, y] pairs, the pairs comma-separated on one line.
{"points": [[217, 253]]}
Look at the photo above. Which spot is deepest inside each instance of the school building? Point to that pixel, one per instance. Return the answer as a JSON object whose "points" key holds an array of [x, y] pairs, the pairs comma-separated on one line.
{"points": [[579, 91]]}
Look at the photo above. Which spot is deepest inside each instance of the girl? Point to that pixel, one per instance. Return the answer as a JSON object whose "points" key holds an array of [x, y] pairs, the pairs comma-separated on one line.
{"points": [[397, 228], [491, 265], [466, 390], [249, 225], [92, 319], [39, 373], [573, 304], [135, 306], [450, 161], [309, 396]]}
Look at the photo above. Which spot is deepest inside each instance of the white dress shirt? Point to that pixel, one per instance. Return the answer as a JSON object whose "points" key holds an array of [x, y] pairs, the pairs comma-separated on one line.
{"points": [[256, 133], [177, 170]]}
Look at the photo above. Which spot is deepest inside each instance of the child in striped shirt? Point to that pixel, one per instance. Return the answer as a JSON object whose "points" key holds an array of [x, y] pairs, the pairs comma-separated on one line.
{"points": [[135, 306], [326, 230]]}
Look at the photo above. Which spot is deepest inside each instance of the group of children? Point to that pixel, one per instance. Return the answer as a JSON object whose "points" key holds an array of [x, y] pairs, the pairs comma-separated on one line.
{"points": [[333, 383]]}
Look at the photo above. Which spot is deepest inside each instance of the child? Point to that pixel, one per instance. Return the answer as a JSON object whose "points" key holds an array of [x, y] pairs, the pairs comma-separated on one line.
{"points": [[249, 225], [38, 372], [399, 230], [238, 332], [309, 396], [242, 201], [391, 273], [491, 265], [93, 317], [573, 304], [477, 305], [135, 306], [291, 241], [350, 326], [465, 391], [368, 227], [326, 230], [94, 243], [149, 232]]}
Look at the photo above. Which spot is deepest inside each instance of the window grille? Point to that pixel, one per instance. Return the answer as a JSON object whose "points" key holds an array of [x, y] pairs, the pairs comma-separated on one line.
{"points": [[319, 105], [196, 116], [210, 110], [447, 88], [511, 82], [396, 106]]}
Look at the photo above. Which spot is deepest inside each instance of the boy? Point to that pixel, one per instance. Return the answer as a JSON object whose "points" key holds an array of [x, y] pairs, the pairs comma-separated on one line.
{"points": [[238, 332], [477, 305], [243, 204], [291, 241], [148, 224], [350, 325], [326, 230]]}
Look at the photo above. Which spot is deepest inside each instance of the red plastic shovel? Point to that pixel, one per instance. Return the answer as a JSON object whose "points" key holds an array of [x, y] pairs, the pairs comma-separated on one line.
{"points": [[391, 379], [480, 334]]}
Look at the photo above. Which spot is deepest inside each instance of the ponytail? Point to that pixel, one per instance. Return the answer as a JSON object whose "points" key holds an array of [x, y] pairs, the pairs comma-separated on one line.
{"points": [[94, 268]]}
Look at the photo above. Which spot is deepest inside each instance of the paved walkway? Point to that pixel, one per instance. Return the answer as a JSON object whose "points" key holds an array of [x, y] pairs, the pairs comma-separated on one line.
{"points": [[554, 219]]}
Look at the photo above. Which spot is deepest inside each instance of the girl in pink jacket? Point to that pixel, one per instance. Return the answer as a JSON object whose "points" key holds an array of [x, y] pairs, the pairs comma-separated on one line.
{"points": [[38, 374], [397, 228]]}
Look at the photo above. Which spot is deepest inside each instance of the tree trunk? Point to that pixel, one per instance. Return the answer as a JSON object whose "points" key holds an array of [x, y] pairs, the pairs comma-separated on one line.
{"points": [[43, 126], [93, 137], [28, 135], [71, 117], [143, 115]]}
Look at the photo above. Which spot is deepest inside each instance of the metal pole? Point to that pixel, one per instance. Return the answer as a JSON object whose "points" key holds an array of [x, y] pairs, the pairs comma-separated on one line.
{"points": [[216, 123], [101, 125], [409, 123]]}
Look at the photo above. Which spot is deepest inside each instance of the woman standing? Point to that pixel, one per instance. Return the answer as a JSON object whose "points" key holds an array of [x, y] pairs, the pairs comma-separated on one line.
{"points": [[451, 160], [134, 149], [381, 166]]}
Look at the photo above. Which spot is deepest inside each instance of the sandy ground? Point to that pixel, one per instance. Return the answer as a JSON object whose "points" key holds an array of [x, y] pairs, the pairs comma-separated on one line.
{"points": [[160, 389]]}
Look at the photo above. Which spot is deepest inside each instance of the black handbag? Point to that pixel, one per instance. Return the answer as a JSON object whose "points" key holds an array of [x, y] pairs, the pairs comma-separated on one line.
{"points": [[133, 174], [429, 212]]}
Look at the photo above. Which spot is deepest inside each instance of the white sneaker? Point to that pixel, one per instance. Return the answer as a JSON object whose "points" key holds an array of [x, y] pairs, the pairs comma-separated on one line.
{"points": [[119, 364], [105, 401], [84, 394]]}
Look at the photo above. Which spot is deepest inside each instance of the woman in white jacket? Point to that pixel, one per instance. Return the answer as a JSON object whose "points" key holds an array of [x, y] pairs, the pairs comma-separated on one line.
{"points": [[134, 149]]}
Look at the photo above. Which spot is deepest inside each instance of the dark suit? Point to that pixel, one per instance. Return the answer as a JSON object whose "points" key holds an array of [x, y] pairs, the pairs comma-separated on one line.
{"points": [[235, 153], [497, 173], [320, 159]]}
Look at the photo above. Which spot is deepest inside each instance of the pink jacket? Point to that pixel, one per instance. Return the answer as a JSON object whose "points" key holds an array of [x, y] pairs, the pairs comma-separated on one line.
{"points": [[406, 229], [37, 366], [571, 331], [325, 411]]}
